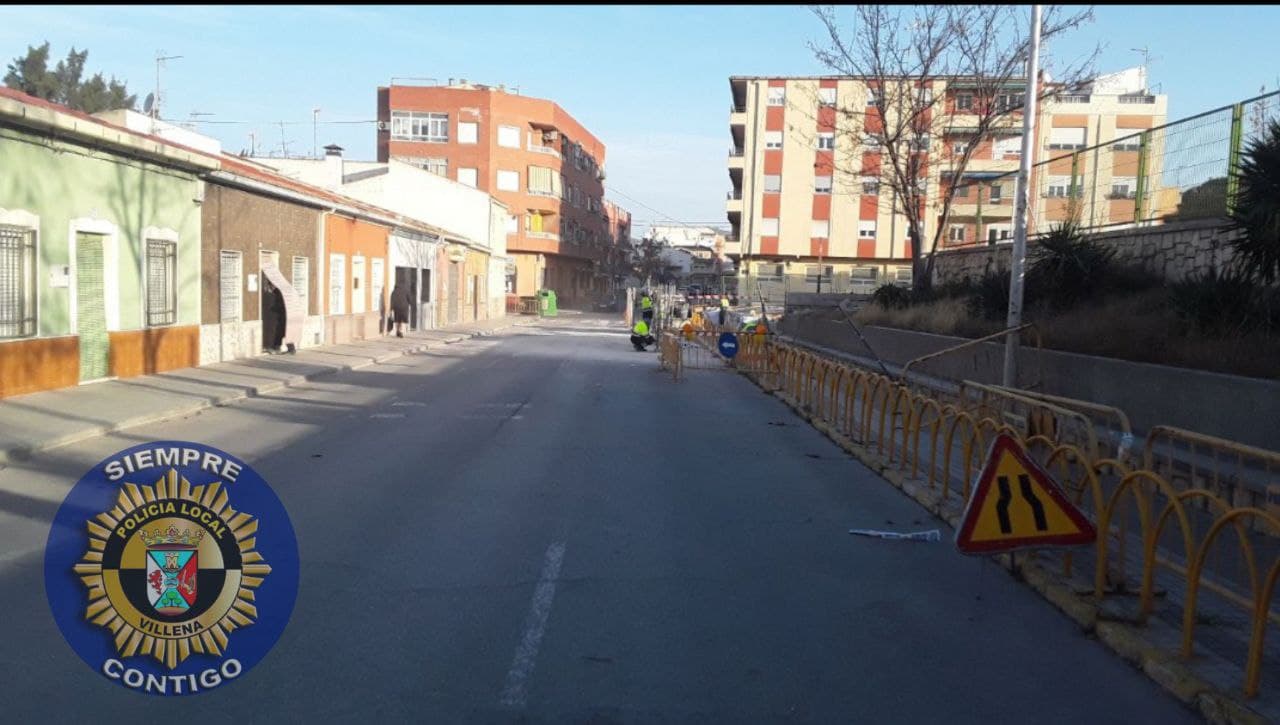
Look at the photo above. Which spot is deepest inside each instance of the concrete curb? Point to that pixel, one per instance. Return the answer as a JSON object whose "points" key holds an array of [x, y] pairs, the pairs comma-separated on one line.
{"points": [[25, 452], [1128, 641]]}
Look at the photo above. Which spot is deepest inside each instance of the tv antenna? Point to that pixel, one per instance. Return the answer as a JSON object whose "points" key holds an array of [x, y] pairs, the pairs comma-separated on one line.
{"points": [[1146, 63], [160, 60]]}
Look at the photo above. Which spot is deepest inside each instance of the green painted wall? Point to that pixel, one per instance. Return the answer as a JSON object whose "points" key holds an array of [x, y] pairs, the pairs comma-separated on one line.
{"points": [[60, 182]]}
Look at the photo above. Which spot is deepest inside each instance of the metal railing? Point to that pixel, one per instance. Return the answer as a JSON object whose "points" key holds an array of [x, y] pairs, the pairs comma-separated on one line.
{"points": [[1168, 525], [1179, 171]]}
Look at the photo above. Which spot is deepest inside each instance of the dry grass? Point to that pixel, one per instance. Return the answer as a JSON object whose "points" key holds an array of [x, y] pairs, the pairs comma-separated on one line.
{"points": [[1140, 327]]}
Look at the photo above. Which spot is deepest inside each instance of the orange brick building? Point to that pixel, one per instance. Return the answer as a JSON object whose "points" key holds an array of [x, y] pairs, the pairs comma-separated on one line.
{"points": [[528, 153]]}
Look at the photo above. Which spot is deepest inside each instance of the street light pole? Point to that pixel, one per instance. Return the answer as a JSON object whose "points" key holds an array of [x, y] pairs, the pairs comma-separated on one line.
{"points": [[1017, 269]]}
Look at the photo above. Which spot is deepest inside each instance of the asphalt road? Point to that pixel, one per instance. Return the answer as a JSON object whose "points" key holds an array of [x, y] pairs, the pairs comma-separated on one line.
{"points": [[541, 527]]}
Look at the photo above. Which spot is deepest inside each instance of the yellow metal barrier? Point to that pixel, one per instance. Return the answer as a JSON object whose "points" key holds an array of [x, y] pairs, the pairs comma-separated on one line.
{"points": [[1034, 416], [1237, 472], [880, 411]]}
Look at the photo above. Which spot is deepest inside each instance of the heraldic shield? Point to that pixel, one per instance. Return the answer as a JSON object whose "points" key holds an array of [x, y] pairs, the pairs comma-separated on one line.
{"points": [[172, 565]]}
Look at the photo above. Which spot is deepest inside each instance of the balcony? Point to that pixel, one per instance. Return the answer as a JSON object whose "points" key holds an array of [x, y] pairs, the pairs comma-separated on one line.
{"points": [[737, 115], [1137, 98], [736, 159], [544, 150], [732, 205]]}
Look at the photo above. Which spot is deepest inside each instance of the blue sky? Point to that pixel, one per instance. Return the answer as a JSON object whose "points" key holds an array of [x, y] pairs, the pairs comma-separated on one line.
{"points": [[649, 81]]}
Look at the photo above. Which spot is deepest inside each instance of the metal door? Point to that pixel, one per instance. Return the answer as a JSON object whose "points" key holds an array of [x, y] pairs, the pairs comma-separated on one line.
{"points": [[91, 307], [455, 286]]}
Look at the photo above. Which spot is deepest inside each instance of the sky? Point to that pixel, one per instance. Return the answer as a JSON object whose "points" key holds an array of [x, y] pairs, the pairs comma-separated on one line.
{"points": [[651, 82]]}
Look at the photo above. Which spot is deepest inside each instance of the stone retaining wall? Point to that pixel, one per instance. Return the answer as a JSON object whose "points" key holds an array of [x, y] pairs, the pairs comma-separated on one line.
{"points": [[1173, 251]]}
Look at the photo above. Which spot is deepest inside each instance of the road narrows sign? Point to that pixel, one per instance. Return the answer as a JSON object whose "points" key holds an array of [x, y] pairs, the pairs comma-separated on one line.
{"points": [[1016, 504]]}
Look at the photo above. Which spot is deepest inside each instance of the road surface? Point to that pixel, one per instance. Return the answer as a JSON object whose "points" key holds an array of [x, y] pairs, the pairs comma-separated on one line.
{"points": [[538, 527]]}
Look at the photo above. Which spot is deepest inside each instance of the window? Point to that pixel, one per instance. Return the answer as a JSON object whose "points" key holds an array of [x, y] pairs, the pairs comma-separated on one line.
{"points": [[1073, 98], [378, 272], [162, 282], [1008, 146], [995, 192], [1067, 138], [959, 148], [513, 223], [468, 132], [337, 283], [962, 191], [1009, 101], [301, 280], [864, 274], [229, 274], [902, 275], [1058, 186], [1124, 187], [870, 185], [920, 142], [826, 140], [826, 96], [468, 177], [769, 227], [415, 126], [772, 183], [924, 97], [1133, 143], [17, 282], [767, 270], [998, 232], [811, 272], [777, 96], [956, 233], [508, 180], [964, 101], [821, 229], [544, 181], [822, 185], [873, 98], [509, 136], [773, 139], [439, 167], [867, 229], [872, 142]]}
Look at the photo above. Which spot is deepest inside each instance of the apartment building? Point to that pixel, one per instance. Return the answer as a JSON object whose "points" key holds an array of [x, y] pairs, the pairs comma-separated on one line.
{"points": [[806, 180], [528, 153]]}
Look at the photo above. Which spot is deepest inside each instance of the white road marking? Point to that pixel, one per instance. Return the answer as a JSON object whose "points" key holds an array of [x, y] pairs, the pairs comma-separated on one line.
{"points": [[387, 415], [403, 403], [516, 689]]}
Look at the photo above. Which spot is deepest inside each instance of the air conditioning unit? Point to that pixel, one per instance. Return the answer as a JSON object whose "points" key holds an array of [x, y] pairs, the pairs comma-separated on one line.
{"points": [[384, 126], [551, 135]]}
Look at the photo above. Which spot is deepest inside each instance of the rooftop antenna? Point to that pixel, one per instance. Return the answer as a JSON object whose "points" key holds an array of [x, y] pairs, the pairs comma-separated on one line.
{"points": [[284, 145], [160, 59], [195, 120], [1146, 64]]}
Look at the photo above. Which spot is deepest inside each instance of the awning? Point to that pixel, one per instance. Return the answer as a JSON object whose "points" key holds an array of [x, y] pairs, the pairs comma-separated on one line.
{"points": [[294, 312]]}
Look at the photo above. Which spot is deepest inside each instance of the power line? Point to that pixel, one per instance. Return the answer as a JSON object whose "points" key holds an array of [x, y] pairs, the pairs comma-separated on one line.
{"points": [[677, 222], [266, 123]]}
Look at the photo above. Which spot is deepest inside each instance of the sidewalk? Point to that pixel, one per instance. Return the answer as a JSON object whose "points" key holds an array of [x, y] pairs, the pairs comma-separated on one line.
{"points": [[39, 421]]}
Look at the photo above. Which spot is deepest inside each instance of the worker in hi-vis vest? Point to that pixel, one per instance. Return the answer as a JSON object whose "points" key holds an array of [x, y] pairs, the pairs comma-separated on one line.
{"points": [[646, 305], [724, 311], [640, 336]]}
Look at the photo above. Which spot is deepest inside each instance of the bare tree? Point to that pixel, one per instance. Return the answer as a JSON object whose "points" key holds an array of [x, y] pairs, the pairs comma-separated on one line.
{"points": [[933, 72]]}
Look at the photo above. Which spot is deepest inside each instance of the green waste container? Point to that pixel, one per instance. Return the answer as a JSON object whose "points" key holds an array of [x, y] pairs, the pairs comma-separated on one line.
{"points": [[547, 303]]}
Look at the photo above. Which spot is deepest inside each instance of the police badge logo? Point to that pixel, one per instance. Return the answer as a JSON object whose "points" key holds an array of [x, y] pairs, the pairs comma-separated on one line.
{"points": [[186, 568]]}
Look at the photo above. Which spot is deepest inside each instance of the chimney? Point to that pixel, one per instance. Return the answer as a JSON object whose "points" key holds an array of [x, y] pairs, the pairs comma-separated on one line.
{"points": [[333, 165]]}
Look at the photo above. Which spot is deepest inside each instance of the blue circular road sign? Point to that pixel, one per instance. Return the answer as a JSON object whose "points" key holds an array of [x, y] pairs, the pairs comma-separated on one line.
{"points": [[728, 344]]}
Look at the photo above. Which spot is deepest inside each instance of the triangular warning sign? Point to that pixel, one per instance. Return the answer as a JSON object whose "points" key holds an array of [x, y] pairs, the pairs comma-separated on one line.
{"points": [[1016, 504]]}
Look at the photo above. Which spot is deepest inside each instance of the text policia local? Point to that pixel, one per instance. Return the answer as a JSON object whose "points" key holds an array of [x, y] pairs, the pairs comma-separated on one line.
{"points": [[155, 457], [177, 684]]}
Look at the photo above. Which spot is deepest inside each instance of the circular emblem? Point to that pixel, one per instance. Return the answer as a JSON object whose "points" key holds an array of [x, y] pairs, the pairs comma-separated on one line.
{"points": [[171, 568]]}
